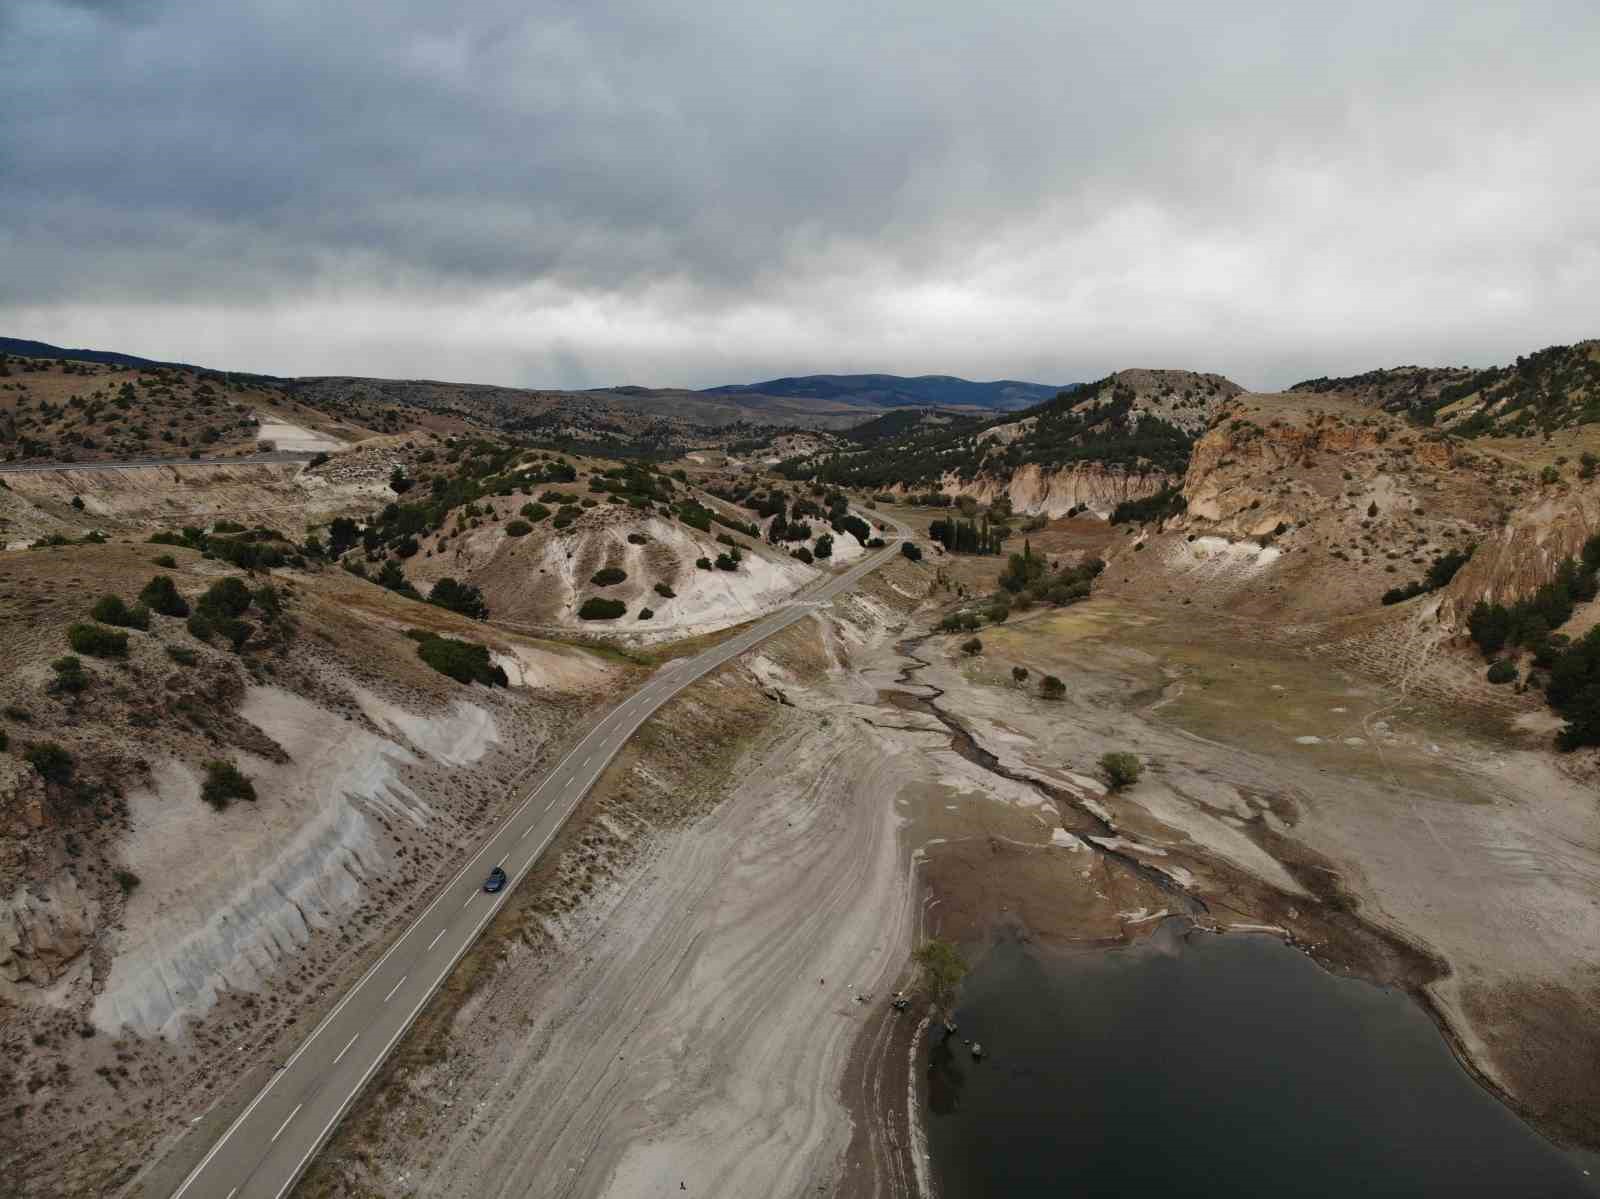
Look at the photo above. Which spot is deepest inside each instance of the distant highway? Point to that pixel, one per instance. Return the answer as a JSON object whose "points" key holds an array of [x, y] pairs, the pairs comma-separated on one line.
{"points": [[268, 1146], [12, 468]]}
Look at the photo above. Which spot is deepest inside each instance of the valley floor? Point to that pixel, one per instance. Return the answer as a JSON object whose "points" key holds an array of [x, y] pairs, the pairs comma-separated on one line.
{"points": [[714, 1013]]}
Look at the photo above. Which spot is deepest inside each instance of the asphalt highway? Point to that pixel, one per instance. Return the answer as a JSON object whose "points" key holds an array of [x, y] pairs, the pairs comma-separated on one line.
{"points": [[270, 1143]]}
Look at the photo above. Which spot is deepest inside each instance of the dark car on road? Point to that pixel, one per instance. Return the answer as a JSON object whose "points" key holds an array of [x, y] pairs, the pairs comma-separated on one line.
{"points": [[495, 881]]}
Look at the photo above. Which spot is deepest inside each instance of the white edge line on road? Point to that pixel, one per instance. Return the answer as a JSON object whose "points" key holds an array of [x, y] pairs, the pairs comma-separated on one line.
{"points": [[286, 1120], [435, 940], [346, 1048], [395, 988], [405, 1025], [339, 1113], [351, 994]]}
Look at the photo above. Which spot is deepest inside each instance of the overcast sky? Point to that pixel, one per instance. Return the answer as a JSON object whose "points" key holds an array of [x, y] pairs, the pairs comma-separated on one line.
{"points": [[583, 193]]}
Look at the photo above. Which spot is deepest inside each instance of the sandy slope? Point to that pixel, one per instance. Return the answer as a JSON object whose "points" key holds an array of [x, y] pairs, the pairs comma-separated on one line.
{"points": [[693, 1041]]}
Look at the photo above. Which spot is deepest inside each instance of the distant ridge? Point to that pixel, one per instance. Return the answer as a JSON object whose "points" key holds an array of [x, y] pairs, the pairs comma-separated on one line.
{"points": [[899, 391], [39, 349], [867, 393]]}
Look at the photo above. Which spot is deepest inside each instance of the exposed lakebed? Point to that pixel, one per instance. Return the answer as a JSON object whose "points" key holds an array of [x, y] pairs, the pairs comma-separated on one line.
{"points": [[1194, 1064]]}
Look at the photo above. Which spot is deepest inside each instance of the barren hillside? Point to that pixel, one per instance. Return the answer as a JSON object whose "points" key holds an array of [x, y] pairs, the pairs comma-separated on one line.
{"points": [[200, 842]]}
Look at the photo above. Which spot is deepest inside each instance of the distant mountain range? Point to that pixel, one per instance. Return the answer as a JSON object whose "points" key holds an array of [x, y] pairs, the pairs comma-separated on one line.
{"points": [[818, 401], [899, 391], [22, 347]]}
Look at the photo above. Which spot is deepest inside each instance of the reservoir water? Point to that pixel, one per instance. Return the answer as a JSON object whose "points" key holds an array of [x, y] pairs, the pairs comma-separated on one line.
{"points": [[1202, 1065]]}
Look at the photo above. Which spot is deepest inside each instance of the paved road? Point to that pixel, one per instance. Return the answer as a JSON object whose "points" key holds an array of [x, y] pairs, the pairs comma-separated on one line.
{"points": [[14, 468], [266, 1148]]}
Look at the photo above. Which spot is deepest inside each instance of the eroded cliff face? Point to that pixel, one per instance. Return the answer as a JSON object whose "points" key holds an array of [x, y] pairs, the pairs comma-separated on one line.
{"points": [[1359, 502], [1036, 491], [1520, 556]]}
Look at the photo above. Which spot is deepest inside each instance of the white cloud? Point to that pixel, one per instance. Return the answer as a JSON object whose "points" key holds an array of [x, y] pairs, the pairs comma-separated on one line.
{"points": [[608, 194]]}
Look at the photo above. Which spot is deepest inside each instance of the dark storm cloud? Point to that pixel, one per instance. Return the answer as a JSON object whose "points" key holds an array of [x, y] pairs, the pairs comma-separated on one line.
{"points": [[576, 191]]}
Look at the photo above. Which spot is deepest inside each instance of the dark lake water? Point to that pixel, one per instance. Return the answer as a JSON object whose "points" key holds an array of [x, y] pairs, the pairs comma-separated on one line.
{"points": [[1226, 1066]]}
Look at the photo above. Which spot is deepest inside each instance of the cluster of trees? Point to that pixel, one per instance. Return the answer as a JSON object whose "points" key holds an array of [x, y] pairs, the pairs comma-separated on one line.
{"points": [[1167, 502], [1439, 573], [597, 608], [1572, 684], [1530, 622], [247, 549], [463, 661], [1030, 579], [220, 610], [973, 536], [459, 597]]}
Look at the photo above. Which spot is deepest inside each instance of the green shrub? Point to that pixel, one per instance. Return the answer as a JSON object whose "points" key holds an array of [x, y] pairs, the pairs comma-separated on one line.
{"points": [[166, 560], [70, 676], [911, 551], [234, 631], [98, 641], [608, 576], [1051, 687], [518, 528], [224, 784], [703, 563], [1122, 769], [1502, 672], [54, 764], [1019, 675], [226, 597], [182, 655], [638, 539], [463, 661], [972, 646], [535, 512], [161, 595], [126, 879], [646, 614], [459, 597], [595, 608], [665, 592], [110, 609], [200, 627]]}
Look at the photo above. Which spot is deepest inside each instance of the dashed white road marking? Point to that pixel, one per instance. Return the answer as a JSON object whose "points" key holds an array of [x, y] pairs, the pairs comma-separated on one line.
{"points": [[435, 940], [346, 1048], [285, 1123], [470, 898], [393, 989]]}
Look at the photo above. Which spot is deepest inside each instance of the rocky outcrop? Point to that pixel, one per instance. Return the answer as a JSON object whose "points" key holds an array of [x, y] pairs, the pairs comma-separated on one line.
{"points": [[1187, 399], [44, 928], [1038, 491], [1521, 556]]}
